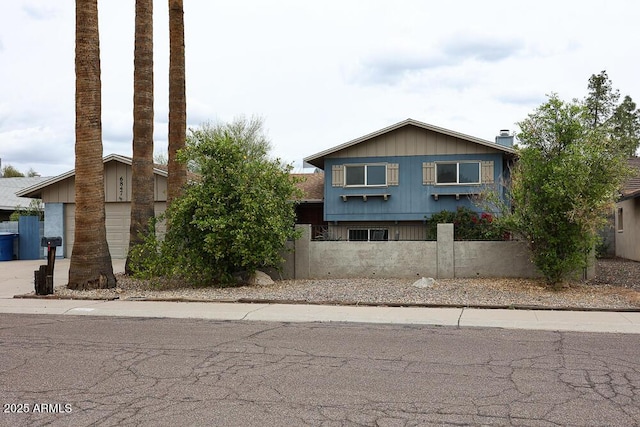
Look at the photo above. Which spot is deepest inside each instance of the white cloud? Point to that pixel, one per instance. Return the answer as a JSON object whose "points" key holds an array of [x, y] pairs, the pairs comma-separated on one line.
{"points": [[319, 73]]}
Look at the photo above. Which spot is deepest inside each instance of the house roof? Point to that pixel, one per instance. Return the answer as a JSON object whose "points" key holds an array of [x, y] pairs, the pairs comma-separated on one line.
{"points": [[9, 200], [632, 187], [312, 186], [35, 190], [318, 158]]}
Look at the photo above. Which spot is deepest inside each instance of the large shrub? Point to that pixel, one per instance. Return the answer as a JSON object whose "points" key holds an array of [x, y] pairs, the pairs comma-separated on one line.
{"points": [[563, 186], [236, 218]]}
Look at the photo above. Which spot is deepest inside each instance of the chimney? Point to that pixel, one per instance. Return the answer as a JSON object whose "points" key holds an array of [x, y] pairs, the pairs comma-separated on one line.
{"points": [[504, 138]]}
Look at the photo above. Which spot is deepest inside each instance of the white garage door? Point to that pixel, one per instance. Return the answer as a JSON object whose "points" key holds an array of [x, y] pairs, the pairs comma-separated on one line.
{"points": [[118, 217], [117, 223]]}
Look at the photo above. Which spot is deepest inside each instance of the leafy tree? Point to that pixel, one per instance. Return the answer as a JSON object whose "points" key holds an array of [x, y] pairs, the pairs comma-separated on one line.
{"points": [[236, 217], [601, 101], [563, 186], [248, 133], [35, 208], [626, 126], [11, 172], [602, 111], [161, 159]]}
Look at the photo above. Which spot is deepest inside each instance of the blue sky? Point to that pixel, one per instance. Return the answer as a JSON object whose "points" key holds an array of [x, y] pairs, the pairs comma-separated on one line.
{"points": [[318, 73]]}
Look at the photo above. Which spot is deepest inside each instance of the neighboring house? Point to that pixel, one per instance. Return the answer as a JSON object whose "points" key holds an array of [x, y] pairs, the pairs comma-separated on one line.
{"points": [[405, 173], [9, 201], [310, 206], [627, 221], [58, 195]]}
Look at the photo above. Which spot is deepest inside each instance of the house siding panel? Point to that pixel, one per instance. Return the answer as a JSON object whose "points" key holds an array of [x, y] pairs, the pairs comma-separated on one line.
{"points": [[627, 242], [412, 141], [410, 200], [60, 192]]}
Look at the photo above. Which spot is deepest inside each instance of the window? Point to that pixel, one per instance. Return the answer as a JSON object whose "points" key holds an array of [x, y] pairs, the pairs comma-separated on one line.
{"points": [[620, 220], [368, 235], [458, 173], [366, 175]]}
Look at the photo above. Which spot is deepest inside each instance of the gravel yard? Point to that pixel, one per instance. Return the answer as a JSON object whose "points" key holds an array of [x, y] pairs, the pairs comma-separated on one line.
{"points": [[616, 286]]}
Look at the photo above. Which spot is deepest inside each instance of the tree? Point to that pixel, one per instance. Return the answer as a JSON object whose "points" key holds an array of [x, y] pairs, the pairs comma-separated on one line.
{"points": [[35, 208], [90, 265], [563, 186], [248, 133], [626, 126], [177, 101], [601, 100], [142, 178], [236, 218], [11, 172], [620, 121]]}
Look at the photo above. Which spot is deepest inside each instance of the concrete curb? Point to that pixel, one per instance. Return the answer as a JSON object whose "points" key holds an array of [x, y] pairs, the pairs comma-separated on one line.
{"points": [[337, 303]]}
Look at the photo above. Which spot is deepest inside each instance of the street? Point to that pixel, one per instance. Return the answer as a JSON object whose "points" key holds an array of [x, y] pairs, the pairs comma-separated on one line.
{"points": [[89, 370]]}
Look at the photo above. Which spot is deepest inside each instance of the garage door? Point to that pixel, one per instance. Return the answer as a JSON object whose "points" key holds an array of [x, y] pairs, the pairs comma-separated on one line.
{"points": [[118, 217]]}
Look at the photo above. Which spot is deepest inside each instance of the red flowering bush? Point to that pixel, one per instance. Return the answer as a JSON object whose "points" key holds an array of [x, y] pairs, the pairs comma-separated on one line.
{"points": [[467, 225]]}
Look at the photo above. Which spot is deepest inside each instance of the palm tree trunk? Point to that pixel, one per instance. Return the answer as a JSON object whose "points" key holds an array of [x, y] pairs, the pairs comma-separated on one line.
{"points": [[177, 100], [90, 265], [142, 179]]}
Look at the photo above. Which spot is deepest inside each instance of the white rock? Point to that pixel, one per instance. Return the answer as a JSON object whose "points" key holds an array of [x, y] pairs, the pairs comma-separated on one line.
{"points": [[425, 282], [260, 279]]}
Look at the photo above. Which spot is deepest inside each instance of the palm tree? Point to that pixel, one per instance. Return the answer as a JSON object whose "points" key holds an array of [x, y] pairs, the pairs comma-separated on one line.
{"points": [[142, 179], [177, 100], [90, 265]]}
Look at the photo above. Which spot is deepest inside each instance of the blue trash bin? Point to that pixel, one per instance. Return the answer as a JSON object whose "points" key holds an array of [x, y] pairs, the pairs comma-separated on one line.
{"points": [[6, 246]]}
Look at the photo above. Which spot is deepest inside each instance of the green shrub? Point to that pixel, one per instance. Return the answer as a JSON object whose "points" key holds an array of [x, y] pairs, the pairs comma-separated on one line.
{"points": [[236, 218]]}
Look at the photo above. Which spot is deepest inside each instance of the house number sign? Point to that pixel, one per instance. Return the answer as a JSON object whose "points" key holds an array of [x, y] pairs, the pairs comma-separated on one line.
{"points": [[121, 189]]}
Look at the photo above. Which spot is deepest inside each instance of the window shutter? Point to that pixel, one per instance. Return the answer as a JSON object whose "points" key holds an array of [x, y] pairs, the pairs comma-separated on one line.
{"points": [[392, 174], [428, 173], [487, 172], [337, 176]]}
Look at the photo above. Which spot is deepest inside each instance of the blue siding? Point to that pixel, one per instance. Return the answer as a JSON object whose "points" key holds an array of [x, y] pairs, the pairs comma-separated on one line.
{"points": [[29, 238], [408, 201]]}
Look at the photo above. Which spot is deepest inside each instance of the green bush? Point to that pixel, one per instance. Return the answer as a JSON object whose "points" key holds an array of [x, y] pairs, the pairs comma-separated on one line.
{"points": [[236, 218]]}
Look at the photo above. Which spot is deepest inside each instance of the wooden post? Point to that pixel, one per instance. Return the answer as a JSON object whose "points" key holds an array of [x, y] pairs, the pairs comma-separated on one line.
{"points": [[41, 280]]}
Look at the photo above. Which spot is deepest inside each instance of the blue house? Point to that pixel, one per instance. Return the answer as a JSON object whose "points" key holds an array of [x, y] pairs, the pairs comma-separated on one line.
{"points": [[405, 173]]}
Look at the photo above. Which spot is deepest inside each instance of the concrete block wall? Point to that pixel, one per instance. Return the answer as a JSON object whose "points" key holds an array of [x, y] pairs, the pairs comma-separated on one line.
{"points": [[444, 258]]}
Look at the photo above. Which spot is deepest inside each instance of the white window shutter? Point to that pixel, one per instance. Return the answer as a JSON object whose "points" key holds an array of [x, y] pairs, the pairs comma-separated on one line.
{"points": [[428, 173], [487, 172], [337, 176], [392, 174]]}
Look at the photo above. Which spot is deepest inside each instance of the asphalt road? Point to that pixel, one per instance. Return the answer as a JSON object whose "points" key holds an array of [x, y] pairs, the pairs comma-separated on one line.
{"points": [[86, 370]]}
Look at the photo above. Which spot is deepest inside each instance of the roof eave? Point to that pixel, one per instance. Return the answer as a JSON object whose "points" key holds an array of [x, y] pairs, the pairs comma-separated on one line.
{"points": [[34, 190]]}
